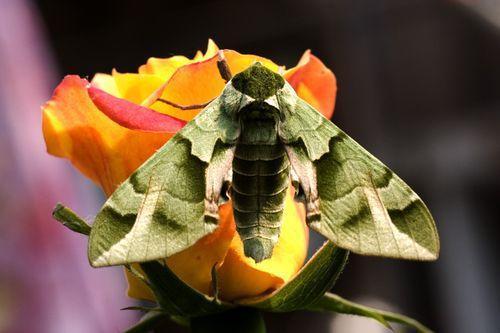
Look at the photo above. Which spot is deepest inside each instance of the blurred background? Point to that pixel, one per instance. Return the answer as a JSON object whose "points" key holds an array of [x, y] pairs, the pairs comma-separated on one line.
{"points": [[419, 86]]}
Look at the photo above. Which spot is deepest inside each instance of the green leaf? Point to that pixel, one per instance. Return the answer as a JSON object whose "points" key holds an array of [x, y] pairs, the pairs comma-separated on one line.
{"points": [[334, 303], [70, 220], [177, 298], [316, 277], [141, 308], [241, 320]]}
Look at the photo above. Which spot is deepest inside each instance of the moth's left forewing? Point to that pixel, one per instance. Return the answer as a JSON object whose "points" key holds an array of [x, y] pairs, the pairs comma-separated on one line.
{"points": [[161, 209], [307, 127], [364, 207]]}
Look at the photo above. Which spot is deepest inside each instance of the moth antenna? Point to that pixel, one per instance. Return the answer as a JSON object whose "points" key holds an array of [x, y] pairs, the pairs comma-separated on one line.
{"points": [[223, 66], [184, 107]]}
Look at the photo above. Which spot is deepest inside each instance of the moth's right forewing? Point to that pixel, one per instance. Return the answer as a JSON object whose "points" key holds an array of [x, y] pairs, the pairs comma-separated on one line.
{"points": [[364, 207], [368, 209]]}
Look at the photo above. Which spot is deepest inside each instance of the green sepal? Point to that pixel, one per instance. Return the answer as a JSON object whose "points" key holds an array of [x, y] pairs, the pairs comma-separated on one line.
{"points": [[177, 298], [334, 303], [70, 220], [147, 322], [153, 317], [241, 320], [316, 277], [141, 308]]}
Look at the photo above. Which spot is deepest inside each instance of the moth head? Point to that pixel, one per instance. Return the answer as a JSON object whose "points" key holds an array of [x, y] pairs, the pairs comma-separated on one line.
{"points": [[256, 89], [258, 82], [258, 93]]}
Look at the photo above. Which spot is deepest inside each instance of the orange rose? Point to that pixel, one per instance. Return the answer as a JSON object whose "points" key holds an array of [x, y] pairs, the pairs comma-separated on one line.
{"points": [[108, 151]]}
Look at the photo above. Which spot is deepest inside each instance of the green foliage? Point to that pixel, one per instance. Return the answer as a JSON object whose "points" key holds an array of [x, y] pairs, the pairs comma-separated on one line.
{"points": [[177, 298], [148, 322], [70, 220], [317, 276], [306, 291], [334, 303]]}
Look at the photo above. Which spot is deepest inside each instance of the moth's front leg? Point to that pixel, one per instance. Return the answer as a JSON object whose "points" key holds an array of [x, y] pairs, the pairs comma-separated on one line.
{"points": [[217, 174], [304, 181]]}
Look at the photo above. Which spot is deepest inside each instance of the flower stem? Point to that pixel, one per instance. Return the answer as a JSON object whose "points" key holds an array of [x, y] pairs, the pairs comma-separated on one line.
{"points": [[243, 320]]}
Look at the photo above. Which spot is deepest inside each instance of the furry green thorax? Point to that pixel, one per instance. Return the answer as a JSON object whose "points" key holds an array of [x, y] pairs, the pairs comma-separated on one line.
{"points": [[258, 82]]}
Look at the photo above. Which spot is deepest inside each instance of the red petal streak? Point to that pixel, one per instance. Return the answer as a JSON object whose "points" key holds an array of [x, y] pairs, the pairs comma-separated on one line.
{"points": [[133, 116]]}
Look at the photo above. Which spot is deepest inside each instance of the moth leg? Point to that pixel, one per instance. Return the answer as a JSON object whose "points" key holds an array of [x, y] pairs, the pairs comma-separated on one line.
{"points": [[305, 182], [223, 66], [216, 178]]}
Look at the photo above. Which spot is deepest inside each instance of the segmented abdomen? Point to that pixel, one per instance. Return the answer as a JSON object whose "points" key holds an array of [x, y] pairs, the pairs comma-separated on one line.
{"points": [[259, 187]]}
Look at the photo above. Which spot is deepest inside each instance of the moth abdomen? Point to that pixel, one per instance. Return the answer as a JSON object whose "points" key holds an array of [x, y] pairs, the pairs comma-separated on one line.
{"points": [[259, 188]]}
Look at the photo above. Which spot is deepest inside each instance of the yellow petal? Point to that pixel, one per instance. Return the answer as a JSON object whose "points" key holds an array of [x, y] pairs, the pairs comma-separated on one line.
{"points": [[211, 51], [166, 67], [107, 83], [241, 277], [136, 87]]}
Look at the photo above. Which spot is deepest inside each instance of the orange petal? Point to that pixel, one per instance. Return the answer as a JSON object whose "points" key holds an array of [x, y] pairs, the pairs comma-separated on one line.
{"points": [[314, 83], [241, 277], [101, 149], [200, 82], [136, 288], [194, 265]]}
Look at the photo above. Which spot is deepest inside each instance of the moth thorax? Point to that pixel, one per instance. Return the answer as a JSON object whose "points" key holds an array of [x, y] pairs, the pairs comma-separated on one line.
{"points": [[258, 122]]}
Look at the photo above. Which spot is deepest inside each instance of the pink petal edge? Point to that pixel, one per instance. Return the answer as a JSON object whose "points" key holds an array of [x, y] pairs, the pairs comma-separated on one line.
{"points": [[131, 115]]}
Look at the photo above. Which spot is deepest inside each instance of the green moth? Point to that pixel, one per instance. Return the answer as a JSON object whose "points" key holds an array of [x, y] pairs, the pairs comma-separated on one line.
{"points": [[248, 145]]}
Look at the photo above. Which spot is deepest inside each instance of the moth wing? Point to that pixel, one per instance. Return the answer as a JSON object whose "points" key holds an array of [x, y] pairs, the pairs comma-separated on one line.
{"points": [[159, 210], [365, 207]]}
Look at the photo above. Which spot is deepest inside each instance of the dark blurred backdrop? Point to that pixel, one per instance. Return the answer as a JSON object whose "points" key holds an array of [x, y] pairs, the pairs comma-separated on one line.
{"points": [[419, 86]]}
